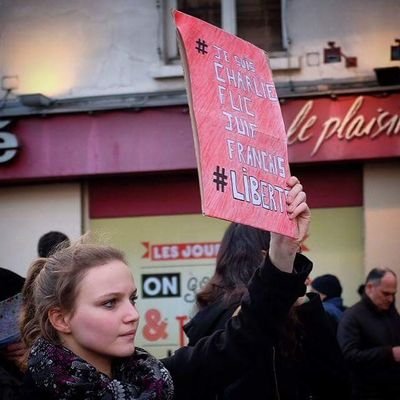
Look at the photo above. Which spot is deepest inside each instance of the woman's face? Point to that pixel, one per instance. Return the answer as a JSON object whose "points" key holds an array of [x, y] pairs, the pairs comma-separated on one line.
{"points": [[105, 320]]}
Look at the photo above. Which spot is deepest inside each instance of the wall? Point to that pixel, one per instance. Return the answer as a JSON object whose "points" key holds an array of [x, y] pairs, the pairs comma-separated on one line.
{"points": [[382, 216], [72, 49], [80, 47], [362, 28], [27, 212], [335, 246]]}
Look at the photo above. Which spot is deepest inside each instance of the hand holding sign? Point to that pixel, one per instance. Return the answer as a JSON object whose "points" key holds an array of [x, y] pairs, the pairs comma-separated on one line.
{"points": [[283, 249]]}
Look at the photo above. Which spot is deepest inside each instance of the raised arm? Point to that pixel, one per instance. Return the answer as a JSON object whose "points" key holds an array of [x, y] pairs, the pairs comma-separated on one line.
{"points": [[221, 357]]}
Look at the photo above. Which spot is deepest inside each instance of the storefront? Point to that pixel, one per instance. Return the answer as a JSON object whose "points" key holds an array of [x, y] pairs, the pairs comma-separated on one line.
{"points": [[130, 177]]}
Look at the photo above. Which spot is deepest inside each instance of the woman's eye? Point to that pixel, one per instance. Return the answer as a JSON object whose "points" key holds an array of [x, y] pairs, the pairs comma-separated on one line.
{"points": [[133, 299], [109, 303]]}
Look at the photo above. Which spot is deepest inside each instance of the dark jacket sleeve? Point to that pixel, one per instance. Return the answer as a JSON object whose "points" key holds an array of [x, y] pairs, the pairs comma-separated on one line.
{"points": [[10, 382], [324, 359], [220, 358]]}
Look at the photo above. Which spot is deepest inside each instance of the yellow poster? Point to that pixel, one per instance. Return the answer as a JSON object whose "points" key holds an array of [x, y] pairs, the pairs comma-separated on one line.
{"points": [[172, 257]]}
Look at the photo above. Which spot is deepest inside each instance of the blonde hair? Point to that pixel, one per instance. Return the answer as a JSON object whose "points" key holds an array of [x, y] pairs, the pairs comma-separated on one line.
{"points": [[54, 282]]}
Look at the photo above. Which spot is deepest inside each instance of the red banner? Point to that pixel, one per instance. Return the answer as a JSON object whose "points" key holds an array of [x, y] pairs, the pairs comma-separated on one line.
{"points": [[343, 128], [180, 251], [115, 142]]}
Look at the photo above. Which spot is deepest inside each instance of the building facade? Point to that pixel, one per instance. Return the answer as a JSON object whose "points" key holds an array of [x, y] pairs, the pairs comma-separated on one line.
{"points": [[96, 135]]}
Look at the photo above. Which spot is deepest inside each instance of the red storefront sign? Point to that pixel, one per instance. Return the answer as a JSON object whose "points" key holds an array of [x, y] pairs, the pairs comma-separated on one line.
{"points": [[345, 128], [160, 139], [180, 251], [114, 142]]}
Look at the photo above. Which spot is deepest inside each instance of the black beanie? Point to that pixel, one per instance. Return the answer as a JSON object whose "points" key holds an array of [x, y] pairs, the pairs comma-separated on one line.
{"points": [[50, 242], [328, 285], [10, 283]]}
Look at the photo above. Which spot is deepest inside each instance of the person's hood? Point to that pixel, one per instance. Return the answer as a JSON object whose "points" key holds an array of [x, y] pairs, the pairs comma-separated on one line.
{"points": [[207, 320], [10, 283]]}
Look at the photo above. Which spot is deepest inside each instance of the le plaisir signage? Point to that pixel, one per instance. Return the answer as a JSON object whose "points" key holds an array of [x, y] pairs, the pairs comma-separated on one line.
{"points": [[343, 128], [8, 144], [347, 127]]}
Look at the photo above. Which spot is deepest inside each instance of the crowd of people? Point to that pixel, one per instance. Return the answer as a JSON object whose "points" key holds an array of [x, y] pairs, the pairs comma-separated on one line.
{"points": [[68, 329]]}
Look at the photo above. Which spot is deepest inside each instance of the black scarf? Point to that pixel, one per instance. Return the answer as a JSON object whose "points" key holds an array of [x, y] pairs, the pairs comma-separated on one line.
{"points": [[60, 373]]}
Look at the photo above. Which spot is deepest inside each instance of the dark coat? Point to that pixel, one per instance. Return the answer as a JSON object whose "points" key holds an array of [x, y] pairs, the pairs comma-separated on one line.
{"points": [[217, 361], [366, 337], [10, 381], [316, 369]]}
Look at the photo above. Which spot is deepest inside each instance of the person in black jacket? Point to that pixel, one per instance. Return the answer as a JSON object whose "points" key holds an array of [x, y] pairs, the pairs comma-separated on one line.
{"points": [[304, 362], [11, 348], [80, 320], [50, 241], [369, 336]]}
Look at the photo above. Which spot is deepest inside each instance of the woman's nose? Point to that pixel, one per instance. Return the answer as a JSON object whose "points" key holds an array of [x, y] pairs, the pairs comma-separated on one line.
{"points": [[131, 313]]}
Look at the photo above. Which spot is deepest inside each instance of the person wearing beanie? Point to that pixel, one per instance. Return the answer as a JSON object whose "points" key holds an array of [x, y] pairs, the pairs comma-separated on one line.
{"points": [[50, 241], [330, 290], [11, 348]]}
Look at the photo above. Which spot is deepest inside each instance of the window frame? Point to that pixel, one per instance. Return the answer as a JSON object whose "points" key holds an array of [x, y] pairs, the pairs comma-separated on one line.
{"points": [[169, 52]]}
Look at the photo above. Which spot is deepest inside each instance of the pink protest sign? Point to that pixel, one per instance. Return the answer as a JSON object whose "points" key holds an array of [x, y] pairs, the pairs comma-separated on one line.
{"points": [[239, 135]]}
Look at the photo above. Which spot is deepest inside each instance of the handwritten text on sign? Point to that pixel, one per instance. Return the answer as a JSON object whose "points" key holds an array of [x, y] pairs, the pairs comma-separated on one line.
{"points": [[238, 128], [241, 120]]}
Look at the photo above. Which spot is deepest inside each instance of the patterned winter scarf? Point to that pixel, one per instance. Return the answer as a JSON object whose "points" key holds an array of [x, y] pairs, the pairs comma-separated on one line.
{"points": [[65, 376]]}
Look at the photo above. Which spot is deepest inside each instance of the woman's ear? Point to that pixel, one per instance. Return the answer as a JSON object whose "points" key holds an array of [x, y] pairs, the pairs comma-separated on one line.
{"points": [[59, 319]]}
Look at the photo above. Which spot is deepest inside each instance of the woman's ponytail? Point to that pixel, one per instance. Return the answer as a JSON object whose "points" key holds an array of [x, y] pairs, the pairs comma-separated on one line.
{"points": [[30, 328]]}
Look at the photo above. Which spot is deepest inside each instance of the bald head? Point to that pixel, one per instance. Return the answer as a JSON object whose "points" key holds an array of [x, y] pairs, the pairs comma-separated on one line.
{"points": [[381, 287]]}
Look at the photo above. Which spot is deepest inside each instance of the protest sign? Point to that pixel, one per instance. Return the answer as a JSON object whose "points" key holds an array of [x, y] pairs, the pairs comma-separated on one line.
{"points": [[239, 134]]}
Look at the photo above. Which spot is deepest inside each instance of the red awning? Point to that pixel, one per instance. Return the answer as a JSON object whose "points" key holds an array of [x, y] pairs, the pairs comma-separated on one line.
{"points": [[348, 127]]}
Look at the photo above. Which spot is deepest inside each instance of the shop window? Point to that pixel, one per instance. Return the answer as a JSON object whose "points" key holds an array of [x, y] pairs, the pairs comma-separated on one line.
{"points": [[257, 21]]}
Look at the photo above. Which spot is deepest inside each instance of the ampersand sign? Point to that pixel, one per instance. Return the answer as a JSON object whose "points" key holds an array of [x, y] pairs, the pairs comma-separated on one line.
{"points": [[155, 328]]}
